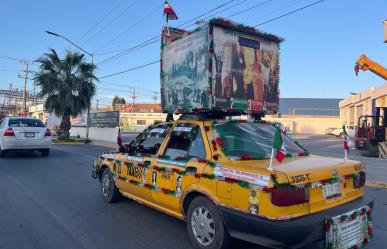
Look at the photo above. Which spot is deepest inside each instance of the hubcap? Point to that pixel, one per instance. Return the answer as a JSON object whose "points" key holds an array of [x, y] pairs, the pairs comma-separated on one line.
{"points": [[203, 225], [106, 185]]}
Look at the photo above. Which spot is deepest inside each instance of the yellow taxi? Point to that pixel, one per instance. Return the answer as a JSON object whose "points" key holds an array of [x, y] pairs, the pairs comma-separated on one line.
{"points": [[215, 174]]}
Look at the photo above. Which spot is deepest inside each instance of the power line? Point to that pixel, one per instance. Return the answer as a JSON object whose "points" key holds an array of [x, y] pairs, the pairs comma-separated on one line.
{"points": [[229, 7], [5, 57], [130, 69], [125, 91], [249, 8], [207, 12], [278, 10], [129, 28], [142, 89], [109, 23], [130, 50], [152, 40], [193, 19], [10, 70], [273, 19], [289, 13], [100, 21]]}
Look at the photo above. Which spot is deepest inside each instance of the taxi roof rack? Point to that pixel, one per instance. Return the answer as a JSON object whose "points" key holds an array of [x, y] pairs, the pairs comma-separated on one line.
{"points": [[217, 114], [202, 116]]}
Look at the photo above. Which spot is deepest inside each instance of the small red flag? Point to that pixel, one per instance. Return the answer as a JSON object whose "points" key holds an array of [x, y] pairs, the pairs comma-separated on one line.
{"points": [[279, 146], [169, 13]]}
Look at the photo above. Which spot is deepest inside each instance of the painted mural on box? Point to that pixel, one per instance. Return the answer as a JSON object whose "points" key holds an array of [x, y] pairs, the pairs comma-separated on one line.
{"points": [[184, 79], [246, 71]]}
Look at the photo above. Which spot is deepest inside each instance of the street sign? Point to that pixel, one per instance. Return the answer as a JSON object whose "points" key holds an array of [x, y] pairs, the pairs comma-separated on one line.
{"points": [[105, 119]]}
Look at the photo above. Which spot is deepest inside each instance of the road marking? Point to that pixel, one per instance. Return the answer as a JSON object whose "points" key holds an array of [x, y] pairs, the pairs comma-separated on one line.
{"points": [[377, 184]]}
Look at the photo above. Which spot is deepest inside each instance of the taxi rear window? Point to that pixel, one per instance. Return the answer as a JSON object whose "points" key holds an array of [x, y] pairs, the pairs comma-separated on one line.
{"points": [[251, 139], [24, 122]]}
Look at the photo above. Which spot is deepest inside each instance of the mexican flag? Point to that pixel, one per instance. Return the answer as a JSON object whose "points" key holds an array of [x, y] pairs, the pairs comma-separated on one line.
{"points": [[169, 13], [279, 146]]}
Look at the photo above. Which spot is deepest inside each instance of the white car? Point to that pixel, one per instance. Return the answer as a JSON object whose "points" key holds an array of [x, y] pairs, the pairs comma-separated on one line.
{"points": [[21, 134], [337, 132]]}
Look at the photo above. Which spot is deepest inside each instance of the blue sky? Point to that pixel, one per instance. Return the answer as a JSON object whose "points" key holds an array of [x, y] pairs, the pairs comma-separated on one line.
{"points": [[317, 58]]}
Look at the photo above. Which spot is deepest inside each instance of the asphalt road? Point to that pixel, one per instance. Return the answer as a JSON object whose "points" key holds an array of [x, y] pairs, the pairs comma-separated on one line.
{"points": [[54, 203], [333, 147]]}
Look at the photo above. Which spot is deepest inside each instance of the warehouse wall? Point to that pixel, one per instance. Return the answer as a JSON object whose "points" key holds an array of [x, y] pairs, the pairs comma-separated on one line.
{"points": [[100, 134], [307, 124]]}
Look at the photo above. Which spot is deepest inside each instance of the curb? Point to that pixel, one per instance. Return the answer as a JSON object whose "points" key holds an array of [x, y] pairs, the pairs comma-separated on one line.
{"points": [[113, 146], [70, 143], [377, 184]]}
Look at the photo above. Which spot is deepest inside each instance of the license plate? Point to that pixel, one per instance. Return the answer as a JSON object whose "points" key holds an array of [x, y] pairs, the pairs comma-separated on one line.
{"points": [[331, 190], [351, 233], [349, 230], [29, 134]]}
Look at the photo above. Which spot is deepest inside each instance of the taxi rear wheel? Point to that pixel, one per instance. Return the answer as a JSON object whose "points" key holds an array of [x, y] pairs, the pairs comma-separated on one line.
{"points": [[109, 190], [205, 226]]}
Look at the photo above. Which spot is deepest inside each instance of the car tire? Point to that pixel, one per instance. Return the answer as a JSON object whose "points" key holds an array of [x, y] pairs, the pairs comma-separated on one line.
{"points": [[109, 190], [205, 226], [45, 152]]}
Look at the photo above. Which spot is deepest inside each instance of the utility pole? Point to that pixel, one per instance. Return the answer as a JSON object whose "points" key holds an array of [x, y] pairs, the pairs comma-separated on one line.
{"points": [[97, 104], [154, 97], [88, 108], [25, 88], [133, 95]]}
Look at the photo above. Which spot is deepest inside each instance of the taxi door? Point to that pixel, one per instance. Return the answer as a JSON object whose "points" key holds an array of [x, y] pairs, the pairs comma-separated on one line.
{"points": [[133, 168], [181, 157]]}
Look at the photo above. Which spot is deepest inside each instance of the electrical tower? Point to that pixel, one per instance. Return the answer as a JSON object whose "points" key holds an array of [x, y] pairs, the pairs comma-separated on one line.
{"points": [[134, 92], [155, 96], [15, 101]]}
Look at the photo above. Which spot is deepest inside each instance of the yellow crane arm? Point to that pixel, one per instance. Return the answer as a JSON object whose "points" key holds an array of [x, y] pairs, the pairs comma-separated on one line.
{"points": [[364, 63]]}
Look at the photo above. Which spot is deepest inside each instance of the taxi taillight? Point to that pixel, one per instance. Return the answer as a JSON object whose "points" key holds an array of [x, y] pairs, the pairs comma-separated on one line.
{"points": [[359, 180], [9, 133], [47, 133], [288, 196]]}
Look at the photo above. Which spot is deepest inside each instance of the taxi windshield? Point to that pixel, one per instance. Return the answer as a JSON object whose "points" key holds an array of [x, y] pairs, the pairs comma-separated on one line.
{"points": [[250, 139]]}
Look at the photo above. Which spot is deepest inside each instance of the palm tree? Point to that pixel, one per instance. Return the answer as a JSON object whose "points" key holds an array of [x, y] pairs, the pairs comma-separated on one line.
{"points": [[66, 85]]}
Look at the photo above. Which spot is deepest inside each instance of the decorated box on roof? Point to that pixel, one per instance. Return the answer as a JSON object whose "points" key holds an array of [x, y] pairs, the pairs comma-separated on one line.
{"points": [[220, 65]]}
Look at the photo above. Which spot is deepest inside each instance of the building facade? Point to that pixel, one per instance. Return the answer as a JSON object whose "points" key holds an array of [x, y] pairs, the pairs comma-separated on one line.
{"points": [[309, 106], [363, 103]]}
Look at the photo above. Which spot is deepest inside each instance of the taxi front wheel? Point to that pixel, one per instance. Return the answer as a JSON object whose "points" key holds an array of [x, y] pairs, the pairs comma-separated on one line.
{"points": [[205, 226], [109, 190]]}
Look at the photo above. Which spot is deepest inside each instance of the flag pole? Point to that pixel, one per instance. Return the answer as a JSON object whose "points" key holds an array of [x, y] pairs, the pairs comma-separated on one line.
{"points": [[166, 24], [346, 141], [271, 160]]}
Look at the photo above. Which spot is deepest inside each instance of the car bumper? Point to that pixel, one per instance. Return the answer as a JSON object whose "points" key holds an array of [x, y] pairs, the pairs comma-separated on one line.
{"points": [[14, 144], [303, 232]]}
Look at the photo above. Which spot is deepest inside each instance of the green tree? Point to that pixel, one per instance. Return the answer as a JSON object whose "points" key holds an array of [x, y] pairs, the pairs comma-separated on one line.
{"points": [[66, 85]]}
